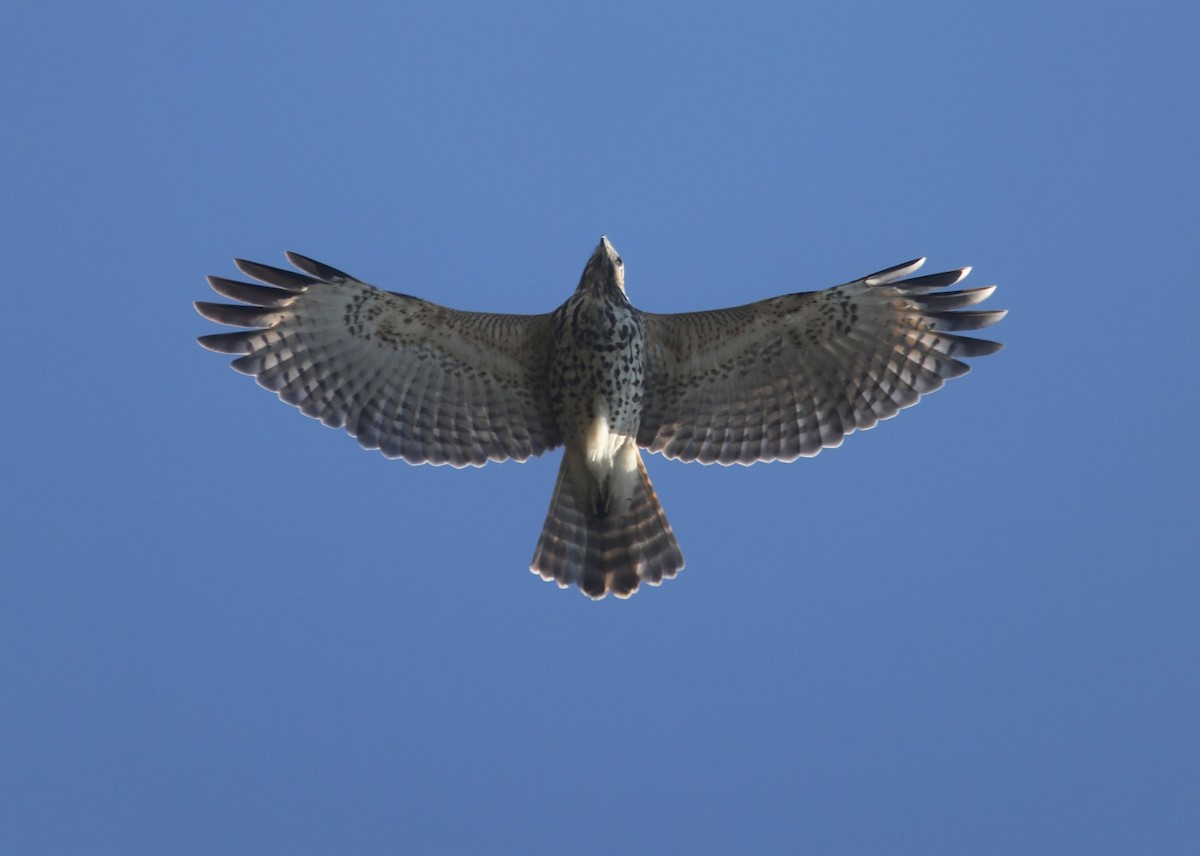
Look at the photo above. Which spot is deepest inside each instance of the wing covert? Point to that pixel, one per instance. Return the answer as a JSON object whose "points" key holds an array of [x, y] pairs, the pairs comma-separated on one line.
{"points": [[411, 378], [788, 376]]}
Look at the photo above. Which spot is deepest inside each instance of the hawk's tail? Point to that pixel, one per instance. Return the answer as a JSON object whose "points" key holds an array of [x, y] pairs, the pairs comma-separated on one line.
{"points": [[605, 540]]}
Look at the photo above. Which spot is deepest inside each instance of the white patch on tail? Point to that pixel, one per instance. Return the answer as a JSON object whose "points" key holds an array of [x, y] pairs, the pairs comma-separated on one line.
{"points": [[597, 442], [603, 448]]}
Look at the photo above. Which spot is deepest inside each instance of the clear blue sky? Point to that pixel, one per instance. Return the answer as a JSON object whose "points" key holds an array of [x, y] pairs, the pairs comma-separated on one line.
{"points": [[225, 628]]}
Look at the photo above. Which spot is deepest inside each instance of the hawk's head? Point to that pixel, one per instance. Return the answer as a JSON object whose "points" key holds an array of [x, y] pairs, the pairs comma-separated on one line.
{"points": [[605, 272]]}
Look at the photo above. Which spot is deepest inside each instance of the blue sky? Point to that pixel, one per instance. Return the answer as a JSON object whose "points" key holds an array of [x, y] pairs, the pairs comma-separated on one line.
{"points": [[225, 628]]}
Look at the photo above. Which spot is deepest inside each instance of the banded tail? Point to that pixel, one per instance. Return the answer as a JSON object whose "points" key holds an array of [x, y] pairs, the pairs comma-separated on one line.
{"points": [[605, 538]]}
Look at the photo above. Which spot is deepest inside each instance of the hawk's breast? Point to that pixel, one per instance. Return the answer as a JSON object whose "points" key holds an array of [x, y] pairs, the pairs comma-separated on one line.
{"points": [[597, 372]]}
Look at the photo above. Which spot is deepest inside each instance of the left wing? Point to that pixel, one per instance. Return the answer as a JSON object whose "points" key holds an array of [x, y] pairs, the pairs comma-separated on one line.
{"points": [[792, 375], [413, 379]]}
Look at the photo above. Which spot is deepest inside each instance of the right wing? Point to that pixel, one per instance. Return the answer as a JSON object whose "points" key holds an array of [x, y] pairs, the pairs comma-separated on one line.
{"points": [[791, 375]]}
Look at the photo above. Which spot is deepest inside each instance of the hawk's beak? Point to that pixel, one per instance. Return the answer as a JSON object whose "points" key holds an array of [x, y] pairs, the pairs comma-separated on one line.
{"points": [[606, 247]]}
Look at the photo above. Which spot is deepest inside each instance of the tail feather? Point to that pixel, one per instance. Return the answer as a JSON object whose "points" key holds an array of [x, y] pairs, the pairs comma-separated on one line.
{"points": [[604, 546], [565, 546]]}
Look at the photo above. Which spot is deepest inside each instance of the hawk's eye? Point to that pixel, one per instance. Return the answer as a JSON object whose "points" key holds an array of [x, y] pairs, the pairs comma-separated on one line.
{"points": [[620, 263]]}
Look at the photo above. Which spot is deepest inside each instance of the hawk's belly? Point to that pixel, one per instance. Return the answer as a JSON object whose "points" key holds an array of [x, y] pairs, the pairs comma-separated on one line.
{"points": [[597, 376]]}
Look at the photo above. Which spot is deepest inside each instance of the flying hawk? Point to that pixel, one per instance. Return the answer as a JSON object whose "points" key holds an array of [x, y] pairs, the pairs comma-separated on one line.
{"points": [[769, 381]]}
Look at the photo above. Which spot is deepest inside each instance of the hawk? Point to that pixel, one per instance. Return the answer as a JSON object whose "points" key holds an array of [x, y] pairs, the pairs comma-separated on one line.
{"points": [[769, 381]]}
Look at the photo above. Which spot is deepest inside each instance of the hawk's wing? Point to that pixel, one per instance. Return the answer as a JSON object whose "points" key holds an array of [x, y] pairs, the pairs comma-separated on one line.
{"points": [[792, 375], [413, 379]]}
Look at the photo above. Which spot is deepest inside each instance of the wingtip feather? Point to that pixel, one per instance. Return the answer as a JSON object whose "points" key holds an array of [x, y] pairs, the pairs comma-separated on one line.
{"points": [[226, 343], [278, 277], [892, 274], [312, 267], [255, 295]]}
